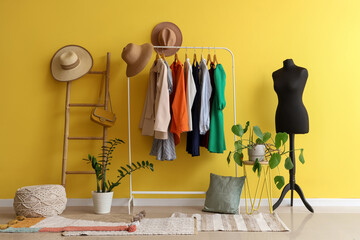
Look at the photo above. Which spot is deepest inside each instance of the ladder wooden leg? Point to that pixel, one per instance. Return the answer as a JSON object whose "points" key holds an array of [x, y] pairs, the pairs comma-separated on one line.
{"points": [[66, 133]]}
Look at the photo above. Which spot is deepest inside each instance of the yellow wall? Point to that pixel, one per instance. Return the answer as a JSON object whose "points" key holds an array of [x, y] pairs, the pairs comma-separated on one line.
{"points": [[322, 36]]}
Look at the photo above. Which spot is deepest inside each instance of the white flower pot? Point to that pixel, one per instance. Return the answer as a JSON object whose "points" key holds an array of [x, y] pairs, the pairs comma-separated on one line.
{"points": [[102, 202], [257, 152]]}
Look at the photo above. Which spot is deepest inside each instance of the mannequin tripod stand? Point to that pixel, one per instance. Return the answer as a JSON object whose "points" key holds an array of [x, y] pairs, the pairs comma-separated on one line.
{"points": [[292, 184]]}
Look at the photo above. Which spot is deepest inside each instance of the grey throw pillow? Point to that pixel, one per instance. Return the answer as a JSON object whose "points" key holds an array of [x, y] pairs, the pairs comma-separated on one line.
{"points": [[223, 195]]}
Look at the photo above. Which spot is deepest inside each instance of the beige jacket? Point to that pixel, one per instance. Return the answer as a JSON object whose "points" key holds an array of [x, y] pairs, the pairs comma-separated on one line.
{"points": [[156, 117]]}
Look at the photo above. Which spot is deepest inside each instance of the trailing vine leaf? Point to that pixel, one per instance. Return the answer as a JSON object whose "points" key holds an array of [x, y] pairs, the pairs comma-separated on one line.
{"points": [[237, 130], [258, 132], [274, 160], [126, 171], [238, 157], [228, 158], [266, 137], [238, 145], [143, 163], [288, 163], [257, 167], [280, 137], [279, 181], [301, 156], [246, 126]]}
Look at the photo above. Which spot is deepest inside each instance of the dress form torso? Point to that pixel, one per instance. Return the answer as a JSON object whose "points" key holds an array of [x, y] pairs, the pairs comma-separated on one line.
{"points": [[289, 83]]}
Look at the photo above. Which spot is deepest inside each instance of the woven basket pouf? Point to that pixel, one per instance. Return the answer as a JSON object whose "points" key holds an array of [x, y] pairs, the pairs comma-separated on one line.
{"points": [[40, 200]]}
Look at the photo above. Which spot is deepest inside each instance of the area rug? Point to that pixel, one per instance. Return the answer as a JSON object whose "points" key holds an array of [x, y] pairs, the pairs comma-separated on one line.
{"points": [[60, 224], [148, 226], [259, 222]]}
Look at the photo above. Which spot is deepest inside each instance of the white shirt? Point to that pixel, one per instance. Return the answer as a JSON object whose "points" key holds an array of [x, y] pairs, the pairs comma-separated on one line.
{"points": [[206, 89], [190, 90]]}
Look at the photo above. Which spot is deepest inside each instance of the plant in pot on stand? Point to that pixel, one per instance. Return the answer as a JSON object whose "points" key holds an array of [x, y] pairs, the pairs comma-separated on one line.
{"points": [[259, 150], [102, 197]]}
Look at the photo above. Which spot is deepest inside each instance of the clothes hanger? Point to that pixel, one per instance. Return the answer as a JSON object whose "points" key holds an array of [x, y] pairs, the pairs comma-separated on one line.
{"points": [[215, 58], [186, 54], [202, 51], [157, 56], [163, 56], [195, 59], [208, 57], [176, 57]]}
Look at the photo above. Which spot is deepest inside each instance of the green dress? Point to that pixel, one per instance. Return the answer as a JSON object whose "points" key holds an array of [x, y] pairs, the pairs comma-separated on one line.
{"points": [[217, 137]]}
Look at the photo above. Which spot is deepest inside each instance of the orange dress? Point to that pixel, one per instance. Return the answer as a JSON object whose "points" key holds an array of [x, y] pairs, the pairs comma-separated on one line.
{"points": [[179, 120]]}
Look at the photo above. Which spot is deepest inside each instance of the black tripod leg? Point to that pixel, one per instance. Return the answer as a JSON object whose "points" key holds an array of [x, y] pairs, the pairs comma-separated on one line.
{"points": [[283, 193], [307, 205]]}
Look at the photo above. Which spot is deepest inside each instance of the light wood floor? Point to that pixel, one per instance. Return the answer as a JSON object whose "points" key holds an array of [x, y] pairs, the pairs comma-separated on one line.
{"points": [[326, 223]]}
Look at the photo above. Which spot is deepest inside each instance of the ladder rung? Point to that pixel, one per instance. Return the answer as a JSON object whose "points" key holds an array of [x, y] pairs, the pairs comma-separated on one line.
{"points": [[80, 172], [97, 72], [85, 138], [86, 105]]}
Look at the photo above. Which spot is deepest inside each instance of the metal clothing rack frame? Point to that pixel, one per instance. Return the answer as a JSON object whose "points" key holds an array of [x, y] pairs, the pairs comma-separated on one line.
{"points": [[131, 199]]}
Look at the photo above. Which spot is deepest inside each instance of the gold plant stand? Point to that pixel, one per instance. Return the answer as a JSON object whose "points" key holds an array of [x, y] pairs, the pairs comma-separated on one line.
{"points": [[264, 181]]}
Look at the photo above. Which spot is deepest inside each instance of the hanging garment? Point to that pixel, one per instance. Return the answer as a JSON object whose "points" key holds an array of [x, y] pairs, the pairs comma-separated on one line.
{"points": [[193, 137], [204, 139], [179, 120], [190, 90], [217, 137], [206, 89], [165, 149], [156, 112]]}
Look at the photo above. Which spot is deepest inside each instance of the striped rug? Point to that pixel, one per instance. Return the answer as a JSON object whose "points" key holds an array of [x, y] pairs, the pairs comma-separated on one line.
{"points": [[259, 222]]}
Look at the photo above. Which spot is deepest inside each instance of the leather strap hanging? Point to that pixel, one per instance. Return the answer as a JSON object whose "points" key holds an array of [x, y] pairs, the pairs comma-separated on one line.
{"points": [[100, 115]]}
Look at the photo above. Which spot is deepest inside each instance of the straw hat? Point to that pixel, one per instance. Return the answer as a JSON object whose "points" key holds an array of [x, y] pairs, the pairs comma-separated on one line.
{"points": [[136, 57], [166, 34], [70, 62]]}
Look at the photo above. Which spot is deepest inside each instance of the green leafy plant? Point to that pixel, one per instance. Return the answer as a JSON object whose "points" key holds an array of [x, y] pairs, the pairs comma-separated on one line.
{"points": [[273, 151], [100, 167]]}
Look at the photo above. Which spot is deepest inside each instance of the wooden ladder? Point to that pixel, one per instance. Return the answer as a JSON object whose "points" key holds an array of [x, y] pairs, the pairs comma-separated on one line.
{"points": [[68, 105]]}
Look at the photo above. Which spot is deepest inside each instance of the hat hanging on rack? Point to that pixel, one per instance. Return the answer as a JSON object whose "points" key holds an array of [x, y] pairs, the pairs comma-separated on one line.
{"points": [[166, 34], [136, 57], [70, 62]]}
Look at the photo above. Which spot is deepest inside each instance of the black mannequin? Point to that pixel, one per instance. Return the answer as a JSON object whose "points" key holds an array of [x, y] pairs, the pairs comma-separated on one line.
{"points": [[291, 116], [289, 83]]}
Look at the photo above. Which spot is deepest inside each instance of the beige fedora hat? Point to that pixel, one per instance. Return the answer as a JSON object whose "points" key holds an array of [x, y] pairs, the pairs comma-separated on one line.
{"points": [[136, 57], [70, 62], [166, 34]]}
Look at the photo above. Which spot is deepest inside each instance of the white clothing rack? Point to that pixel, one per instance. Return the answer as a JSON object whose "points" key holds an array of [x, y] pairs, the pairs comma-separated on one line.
{"points": [[131, 200]]}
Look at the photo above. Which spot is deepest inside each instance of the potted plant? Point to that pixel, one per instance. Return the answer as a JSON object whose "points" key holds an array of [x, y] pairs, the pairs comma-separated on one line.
{"points": [[102, 197], [271, 152]]}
